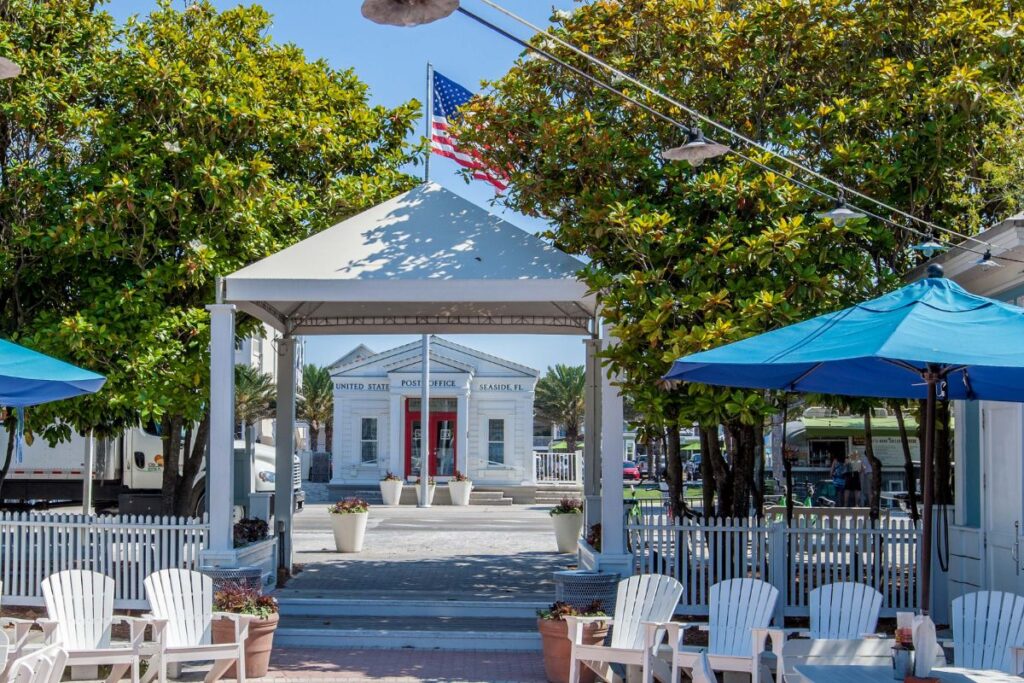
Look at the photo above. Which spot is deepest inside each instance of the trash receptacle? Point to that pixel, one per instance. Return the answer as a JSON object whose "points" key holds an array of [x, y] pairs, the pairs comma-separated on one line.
{"points": [[579, 588], [250, 577]]}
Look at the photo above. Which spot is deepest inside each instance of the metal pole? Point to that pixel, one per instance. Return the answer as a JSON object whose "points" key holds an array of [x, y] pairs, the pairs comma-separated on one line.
{"points": [[425, 426], [90, 465], [931, 378], [428, 119]]}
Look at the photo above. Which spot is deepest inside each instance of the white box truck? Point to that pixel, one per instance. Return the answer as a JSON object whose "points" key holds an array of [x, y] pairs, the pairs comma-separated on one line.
{"points": [[127, 471]]}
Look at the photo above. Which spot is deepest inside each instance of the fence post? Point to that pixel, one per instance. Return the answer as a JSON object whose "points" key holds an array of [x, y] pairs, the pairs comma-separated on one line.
{"points": [[778, 554]]}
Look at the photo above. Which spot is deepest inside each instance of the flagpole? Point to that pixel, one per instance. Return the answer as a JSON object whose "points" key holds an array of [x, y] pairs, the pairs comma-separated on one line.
{"points": [[428, 117]]}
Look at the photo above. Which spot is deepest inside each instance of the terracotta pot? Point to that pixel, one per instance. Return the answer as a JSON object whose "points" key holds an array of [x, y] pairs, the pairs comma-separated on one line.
{"points": [[554, 638], [257, 646]]}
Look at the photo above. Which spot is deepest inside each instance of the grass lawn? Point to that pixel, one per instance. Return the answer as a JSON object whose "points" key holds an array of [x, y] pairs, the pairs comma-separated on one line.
{"points": [[642, 494]]}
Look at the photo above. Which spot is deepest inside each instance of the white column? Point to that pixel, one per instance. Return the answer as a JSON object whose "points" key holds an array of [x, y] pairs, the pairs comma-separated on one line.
{"points": [[425, 426], [613, 451], [592, 431], [90, 467], [462, 433], [220, 470], [395, 436], [284, 444], [340, 431]]}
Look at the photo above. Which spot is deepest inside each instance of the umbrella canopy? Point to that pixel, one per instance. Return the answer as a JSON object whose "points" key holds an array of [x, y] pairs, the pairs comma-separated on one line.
{"points": [[28, 378], [927, 339], [881, 348]]}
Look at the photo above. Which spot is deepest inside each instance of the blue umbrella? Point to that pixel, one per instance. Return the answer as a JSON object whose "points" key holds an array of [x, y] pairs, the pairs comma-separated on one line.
{"points": [[28, 378], [931, 338]]}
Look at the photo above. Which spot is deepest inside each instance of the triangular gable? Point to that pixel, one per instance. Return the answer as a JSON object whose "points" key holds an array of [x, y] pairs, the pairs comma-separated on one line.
{"points": [[359, 353], [511, 365], [435, 360]]}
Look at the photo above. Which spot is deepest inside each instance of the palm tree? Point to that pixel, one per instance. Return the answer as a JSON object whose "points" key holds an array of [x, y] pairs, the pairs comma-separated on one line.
{"points": [[315, 403], [255, 399], [559, 399]]}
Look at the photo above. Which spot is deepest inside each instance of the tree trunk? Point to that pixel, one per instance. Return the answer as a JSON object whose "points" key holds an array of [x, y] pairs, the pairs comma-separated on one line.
{"points": [[172, 447], [943, 456], [876, 469], [908, 464], [722, 476], [314, 438], [742, 466], [707, 473], [674, 473], [187, 499], [571, 438], [329, 436], [757, 486]]}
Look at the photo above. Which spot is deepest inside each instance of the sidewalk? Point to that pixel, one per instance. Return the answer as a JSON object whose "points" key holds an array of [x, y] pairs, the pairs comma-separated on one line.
{"points": [[403, 666]]}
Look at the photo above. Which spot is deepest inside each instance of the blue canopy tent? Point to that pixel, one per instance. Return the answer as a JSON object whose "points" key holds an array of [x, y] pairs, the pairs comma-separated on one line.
{"points": [[927, 340], [28, 378]]}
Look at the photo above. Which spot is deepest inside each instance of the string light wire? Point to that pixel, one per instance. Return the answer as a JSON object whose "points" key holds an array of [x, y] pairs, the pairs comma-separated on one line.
{"points": [[683, 127]]}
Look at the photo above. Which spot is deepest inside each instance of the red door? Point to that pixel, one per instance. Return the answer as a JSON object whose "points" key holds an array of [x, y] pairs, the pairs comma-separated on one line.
{"points": [[441, 442]]}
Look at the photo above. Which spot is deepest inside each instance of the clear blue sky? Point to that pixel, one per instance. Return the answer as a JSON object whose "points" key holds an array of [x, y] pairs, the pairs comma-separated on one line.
{"points": [[392, 61]]}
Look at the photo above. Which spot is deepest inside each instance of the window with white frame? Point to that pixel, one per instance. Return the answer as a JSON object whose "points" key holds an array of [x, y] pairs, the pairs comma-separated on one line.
{"points": [[368, 441], [496, 442]]}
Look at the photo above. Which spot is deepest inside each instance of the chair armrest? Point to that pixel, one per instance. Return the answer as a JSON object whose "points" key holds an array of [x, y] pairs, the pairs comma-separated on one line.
{"points": [[137, 627], [48, 626], [759, 635], [574, 626], [1017, 654], [242, 622], [21, 627], [675, 631], [159, 625], [651, 629]]}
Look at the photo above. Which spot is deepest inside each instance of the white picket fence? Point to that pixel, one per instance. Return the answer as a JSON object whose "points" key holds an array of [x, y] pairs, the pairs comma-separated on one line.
{"points": [[554, 467], [796, 559], [125, 547]]}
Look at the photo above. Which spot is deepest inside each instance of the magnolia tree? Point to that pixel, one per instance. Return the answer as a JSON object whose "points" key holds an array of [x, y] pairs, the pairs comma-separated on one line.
{"points": [[141, 162], [886, 97]]}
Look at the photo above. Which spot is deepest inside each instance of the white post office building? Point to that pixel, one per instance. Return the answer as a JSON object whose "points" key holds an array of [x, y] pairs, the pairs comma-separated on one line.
{"points": [[481, 415]]}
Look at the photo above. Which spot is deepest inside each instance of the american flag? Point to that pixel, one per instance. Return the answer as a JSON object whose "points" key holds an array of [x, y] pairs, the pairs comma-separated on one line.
{"points": [[448, 97]]}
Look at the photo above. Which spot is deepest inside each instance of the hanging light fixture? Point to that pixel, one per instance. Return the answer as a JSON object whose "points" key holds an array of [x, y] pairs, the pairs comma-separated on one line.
{"points": [[840, 213], [408, 12], [929, 247], [8, 69], [696, 149], [986, 261]]}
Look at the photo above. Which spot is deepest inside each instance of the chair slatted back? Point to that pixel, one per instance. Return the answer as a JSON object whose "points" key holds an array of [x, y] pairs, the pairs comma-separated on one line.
{"points": [[185, 599], [986, 624], [646, 597], [735, 607], [45, 665], [844, 611], [82, 604]]}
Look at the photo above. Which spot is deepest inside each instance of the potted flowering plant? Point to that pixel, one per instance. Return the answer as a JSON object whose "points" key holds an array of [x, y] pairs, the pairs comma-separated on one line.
{"points": [[242, 599], [567, 517], [250, 530], [459, 487], [391, 489], [556, 643], [348, 520], [431, 486]]}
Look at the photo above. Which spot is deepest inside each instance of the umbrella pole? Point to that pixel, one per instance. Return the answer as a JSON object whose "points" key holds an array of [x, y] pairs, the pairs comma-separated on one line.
{"points": [[928, 485]]}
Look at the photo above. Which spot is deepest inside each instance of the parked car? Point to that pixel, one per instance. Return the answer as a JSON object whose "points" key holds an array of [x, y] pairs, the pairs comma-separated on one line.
{"points": [[630, 472]]}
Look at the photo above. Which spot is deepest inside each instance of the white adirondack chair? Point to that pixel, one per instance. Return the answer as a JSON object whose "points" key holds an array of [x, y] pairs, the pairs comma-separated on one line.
{"points": [[988, 631], [45, 665], [642, 604], [844, 611], [182, 614], [12, 647], [80, 611], [739, 612]]}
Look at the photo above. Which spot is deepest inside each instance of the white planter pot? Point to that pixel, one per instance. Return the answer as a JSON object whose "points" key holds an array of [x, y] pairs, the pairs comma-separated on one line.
{"points": [[349, 531], [460, 491], [567, 531], [391, 491], [430, 494]]}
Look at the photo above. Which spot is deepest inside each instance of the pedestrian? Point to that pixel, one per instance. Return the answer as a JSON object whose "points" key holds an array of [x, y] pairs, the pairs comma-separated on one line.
{"points": [[852, 480], [838, 473]]}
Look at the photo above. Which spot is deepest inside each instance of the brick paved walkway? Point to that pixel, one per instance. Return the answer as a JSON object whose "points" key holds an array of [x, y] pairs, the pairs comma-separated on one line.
{"points": [[404, 666]]}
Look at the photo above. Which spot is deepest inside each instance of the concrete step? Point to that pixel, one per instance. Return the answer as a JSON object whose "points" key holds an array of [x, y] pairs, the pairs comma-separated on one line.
{"points": [[421, 633], [406, 607], [371, 496], [488, 498]]}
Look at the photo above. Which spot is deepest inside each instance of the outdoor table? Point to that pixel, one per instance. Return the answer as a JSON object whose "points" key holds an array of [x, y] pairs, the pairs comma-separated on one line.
{"points": [[883, 674]]}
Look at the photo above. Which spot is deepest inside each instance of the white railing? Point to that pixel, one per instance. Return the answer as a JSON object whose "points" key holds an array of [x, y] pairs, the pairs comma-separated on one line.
{"points": [[812, 552], [125, 547], [558, 468]]}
